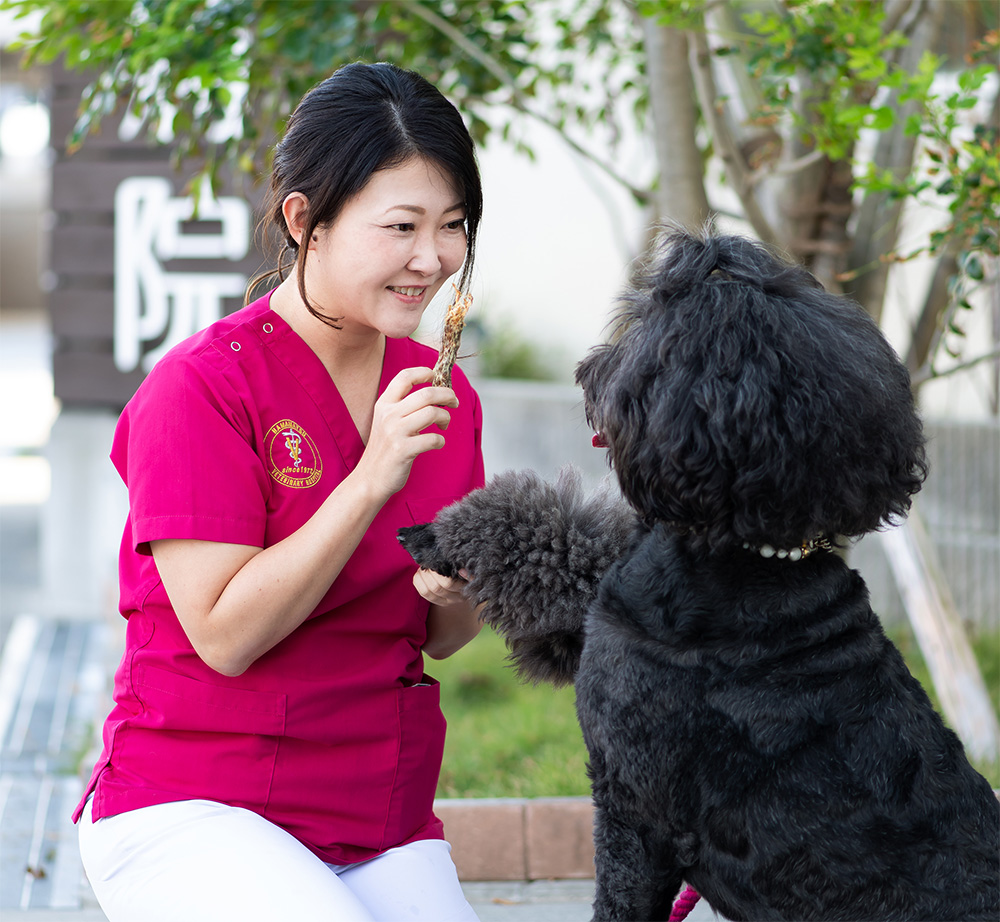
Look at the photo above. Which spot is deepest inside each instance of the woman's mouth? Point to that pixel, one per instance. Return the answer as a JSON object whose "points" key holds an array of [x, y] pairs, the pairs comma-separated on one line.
{"points": [[411, 292]]}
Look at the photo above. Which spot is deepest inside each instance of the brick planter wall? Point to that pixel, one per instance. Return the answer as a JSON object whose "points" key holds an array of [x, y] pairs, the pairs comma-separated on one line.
{"points": [[520, 839]]}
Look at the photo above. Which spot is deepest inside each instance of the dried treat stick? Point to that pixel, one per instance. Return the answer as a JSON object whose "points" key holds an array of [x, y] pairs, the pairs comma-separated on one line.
{"points": [[453, 324]]}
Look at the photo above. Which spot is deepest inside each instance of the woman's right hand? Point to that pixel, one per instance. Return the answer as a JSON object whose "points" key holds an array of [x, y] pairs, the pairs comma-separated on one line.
{"points": [[405, 424]]}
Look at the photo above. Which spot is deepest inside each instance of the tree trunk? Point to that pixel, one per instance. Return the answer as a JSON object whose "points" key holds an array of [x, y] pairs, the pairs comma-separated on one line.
{"points": [[680, 196], [935, 304], [738, 172], [790, 195], [827, 251], [759, 143]]}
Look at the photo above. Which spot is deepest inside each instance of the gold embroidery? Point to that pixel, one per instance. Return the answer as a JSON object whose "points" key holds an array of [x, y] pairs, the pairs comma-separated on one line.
{"points": [[293, 456]]}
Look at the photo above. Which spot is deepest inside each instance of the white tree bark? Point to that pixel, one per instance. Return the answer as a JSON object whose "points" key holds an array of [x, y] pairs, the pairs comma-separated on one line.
{"points": [[680, 196]]}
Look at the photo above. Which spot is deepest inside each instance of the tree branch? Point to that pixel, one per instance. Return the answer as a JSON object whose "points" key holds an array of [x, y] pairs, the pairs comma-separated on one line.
{"points": [[924, 339], [894, 12], [517, 101], [928, 373], [876, 228], [783, 169], [725, 144]]}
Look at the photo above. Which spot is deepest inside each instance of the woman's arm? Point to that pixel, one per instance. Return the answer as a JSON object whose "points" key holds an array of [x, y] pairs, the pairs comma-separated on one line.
{"points": [[236, 602], [451, 621]]}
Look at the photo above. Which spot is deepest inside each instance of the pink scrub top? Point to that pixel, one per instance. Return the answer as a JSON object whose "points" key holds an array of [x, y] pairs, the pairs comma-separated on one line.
{"points": [[335, 734]]}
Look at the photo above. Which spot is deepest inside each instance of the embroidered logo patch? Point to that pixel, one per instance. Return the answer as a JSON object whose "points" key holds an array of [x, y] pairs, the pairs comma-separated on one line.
{"points": [[293, 456]]}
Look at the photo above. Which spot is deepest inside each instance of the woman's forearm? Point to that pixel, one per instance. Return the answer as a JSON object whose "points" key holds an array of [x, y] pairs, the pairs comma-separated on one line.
{"points": [[236, 602], [451, 627]]}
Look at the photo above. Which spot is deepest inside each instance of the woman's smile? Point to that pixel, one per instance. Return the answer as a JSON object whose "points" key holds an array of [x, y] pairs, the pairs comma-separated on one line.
{"points": [[414, 293]]}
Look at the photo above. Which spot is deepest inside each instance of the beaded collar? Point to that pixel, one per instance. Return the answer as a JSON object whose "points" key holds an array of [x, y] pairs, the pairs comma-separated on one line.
{"points": [[795, 553]]}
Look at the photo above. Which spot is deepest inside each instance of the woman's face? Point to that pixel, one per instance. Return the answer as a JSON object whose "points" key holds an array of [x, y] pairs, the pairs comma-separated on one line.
{"points": [[390, 250]]}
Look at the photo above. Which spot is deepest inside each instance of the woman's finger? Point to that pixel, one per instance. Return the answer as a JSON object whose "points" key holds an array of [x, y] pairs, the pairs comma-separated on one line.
{"points": [[403, 387]]}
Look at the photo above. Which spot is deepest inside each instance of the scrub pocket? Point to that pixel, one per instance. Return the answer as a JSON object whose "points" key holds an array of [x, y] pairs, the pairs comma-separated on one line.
{"points": [[206, 741], [425, 509], [421, 746], [178, 702]]}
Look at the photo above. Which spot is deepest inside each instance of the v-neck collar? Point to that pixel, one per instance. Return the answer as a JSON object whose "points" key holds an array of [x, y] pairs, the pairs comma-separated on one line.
{"points": [[300, 360]]}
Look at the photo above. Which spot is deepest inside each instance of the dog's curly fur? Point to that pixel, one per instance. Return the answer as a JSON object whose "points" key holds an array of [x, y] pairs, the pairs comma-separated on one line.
{"points": [[535, 553], [751, 729]]}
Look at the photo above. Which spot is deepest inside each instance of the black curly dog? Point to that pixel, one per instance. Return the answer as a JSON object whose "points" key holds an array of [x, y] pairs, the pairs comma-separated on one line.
{"points": [[751, 730]]}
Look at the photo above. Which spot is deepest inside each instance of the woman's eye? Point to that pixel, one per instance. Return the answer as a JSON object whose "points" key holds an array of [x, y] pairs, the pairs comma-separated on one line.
{"points": [[456, 225], [405, 228]]}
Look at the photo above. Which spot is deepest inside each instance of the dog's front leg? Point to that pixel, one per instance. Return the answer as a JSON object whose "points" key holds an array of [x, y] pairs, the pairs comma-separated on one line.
{"points": [[635, 879]]}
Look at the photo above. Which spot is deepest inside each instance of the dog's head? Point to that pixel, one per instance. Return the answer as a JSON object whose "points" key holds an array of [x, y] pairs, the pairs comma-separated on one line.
{"points": [[742, 402]]}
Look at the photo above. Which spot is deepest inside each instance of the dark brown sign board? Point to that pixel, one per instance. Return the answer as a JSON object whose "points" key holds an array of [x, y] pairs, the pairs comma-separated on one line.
{"points": [[133, 271]]}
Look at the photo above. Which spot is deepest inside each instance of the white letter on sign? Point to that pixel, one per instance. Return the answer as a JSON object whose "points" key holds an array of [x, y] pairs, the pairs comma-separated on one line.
{"points": [[152, 304]]}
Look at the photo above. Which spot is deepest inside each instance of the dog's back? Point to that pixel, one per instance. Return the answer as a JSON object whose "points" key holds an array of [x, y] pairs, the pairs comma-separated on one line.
{"points": [[753, 729]]}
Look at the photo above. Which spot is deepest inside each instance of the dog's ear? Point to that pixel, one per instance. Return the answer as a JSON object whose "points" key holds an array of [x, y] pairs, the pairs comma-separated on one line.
{"points": [[421, 544]]}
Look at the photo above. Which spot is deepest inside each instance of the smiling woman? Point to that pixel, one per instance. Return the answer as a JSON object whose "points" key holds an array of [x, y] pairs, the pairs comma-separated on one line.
{"points": [[339, 118], [275, 742]]}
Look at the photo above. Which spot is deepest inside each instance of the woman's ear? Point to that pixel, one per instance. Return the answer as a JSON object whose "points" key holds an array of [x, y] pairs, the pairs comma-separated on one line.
{"points": [[295, 209]]}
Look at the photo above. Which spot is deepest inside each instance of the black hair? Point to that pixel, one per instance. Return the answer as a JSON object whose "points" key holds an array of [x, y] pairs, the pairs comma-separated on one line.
{"points": [[362, 119]]}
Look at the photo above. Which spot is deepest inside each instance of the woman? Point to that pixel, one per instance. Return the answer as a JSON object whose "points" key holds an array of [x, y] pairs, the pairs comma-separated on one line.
{"points": [[275, 744]]}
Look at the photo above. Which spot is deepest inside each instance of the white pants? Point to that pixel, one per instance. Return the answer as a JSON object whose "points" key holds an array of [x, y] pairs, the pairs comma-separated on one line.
{"points": [[197, 860]]}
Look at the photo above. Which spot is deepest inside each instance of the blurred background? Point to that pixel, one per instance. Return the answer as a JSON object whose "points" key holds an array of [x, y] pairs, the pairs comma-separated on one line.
{"points": [[861, 138]]}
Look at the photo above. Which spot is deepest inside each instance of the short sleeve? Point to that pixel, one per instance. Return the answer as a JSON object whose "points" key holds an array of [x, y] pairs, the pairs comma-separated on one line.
{"points": [[185, 447]]}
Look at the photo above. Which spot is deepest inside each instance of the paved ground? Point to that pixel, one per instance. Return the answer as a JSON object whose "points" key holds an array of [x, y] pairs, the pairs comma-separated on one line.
{"points": [[535, 901], [51, 681], [541, 901]]}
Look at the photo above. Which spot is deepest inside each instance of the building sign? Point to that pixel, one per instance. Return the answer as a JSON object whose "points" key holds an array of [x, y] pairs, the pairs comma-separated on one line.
{"points": [[156, 308], [132, 268]]}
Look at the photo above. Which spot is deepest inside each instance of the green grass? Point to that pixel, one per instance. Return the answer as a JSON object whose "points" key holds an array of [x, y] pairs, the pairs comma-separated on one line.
{"points": [[506, 739]]}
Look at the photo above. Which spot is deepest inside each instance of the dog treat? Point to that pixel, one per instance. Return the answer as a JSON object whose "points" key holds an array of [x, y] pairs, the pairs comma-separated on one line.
{"points": [[454, 321]]}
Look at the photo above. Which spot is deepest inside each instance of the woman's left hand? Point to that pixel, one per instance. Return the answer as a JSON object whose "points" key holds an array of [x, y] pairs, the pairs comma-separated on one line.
{"points": [[452, 621], [438, 589]]}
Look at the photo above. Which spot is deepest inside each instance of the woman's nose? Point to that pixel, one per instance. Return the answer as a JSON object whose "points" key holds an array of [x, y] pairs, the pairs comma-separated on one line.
{"points": [[426, 257]]}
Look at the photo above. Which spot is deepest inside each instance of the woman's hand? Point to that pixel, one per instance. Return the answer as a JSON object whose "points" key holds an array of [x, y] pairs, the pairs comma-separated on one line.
{"points": [[403, 427], [438, 589], [452, 621]]}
